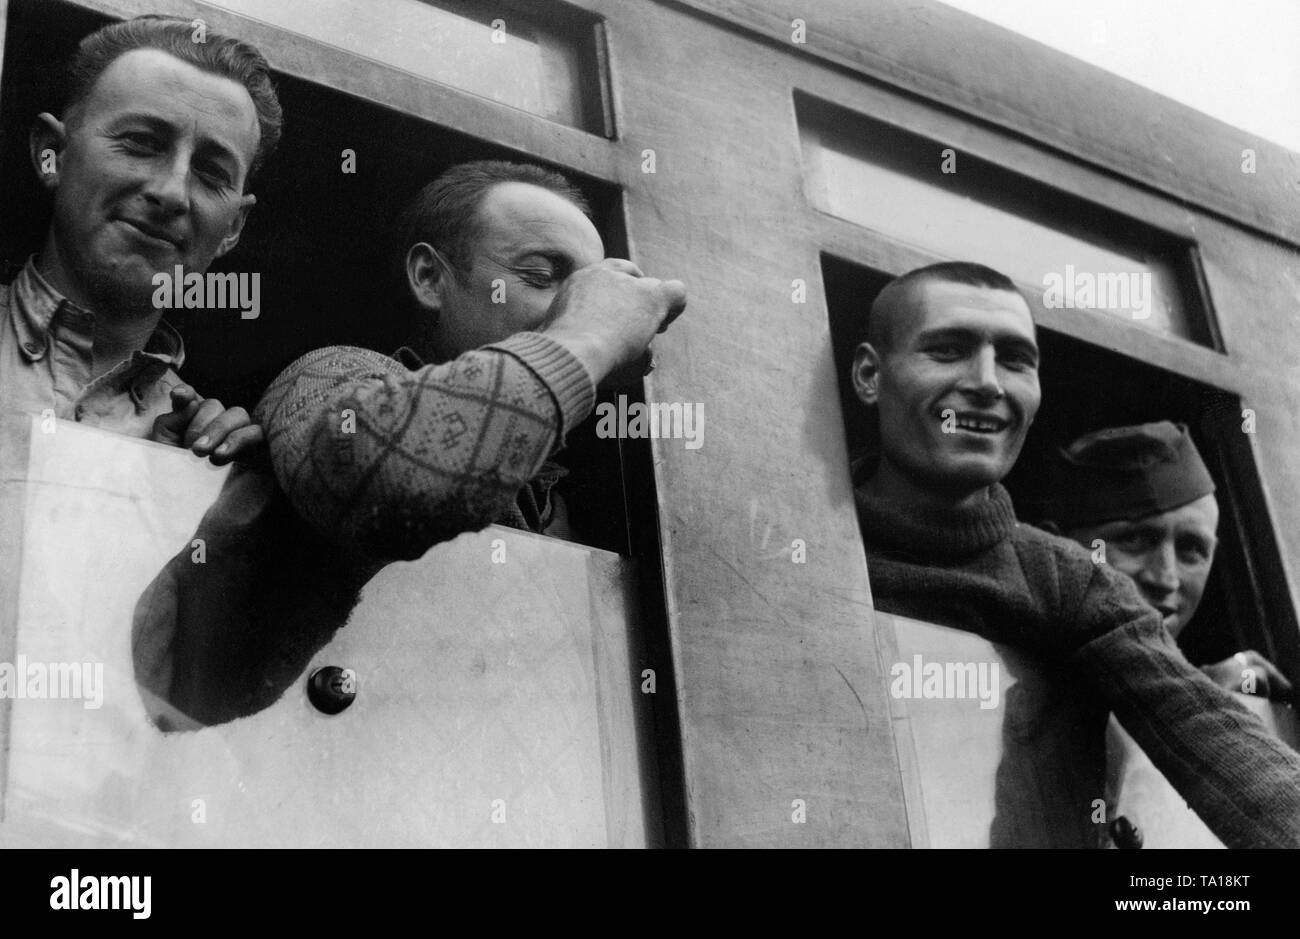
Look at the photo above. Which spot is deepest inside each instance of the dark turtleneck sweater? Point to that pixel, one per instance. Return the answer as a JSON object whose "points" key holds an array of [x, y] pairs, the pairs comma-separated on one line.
{"points": [[976, 568]]}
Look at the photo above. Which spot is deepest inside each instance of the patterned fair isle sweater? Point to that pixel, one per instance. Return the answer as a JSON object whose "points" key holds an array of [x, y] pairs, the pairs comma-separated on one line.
{"points": [[380, 458], [389, 457], [980, 570]]}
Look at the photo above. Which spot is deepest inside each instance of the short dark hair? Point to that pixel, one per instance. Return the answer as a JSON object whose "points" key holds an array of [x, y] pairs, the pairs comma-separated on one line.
{"points": [[222, 55], [444, 213], [879, 327]]}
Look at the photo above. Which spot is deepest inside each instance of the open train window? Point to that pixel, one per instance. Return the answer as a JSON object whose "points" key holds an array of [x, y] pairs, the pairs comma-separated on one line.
{"points": [[1085, 388], [320, 239]]}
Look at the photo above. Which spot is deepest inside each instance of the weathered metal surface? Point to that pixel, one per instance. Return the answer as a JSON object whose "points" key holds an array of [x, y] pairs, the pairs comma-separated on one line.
{"points": [[496, 686], [783, 696], [1022, 765]]}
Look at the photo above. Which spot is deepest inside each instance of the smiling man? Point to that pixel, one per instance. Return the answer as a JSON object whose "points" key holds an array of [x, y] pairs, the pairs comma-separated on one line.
{"points": [[148, 169], [950, 369], [1143, 494]]}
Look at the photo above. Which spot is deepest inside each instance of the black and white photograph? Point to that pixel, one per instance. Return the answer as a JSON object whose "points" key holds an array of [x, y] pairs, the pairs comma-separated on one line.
{"points": [[650, 424]]}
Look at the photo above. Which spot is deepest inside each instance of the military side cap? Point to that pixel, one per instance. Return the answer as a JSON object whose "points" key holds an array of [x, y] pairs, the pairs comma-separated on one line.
{"points": [[1127, 473]]}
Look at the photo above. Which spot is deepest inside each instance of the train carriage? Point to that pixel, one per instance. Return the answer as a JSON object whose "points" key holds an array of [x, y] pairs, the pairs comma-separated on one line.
{"points": [[705, 666]]}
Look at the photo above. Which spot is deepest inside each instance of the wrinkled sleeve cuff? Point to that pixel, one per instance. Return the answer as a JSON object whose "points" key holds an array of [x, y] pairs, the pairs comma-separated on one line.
{"points": [[560, 370]]}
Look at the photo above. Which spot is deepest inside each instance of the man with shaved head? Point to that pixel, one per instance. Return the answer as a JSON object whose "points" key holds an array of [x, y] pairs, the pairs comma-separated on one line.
{"points": [[949, 369], [911, 448]]}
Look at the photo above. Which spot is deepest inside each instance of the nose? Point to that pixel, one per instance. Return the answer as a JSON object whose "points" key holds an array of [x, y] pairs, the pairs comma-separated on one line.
{"points": [[981, 378], [1159, 572], [167, 185]]}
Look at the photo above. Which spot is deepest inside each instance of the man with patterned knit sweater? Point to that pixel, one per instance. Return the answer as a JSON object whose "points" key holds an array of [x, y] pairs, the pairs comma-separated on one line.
{"points": [[950, 369], [520, 315], [381, 457]]}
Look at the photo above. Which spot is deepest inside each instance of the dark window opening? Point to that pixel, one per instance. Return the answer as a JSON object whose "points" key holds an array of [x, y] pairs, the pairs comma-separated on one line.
{"points": [[320, 238], [321, 241], [1085, 388]]}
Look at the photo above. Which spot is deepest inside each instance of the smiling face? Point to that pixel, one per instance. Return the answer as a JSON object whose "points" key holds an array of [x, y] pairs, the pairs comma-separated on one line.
{"points": [[151, 172], [1168, 555], [529, 240], [955, 388]]}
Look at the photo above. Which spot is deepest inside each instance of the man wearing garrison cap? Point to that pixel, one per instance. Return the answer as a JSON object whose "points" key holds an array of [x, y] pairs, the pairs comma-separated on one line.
{"points": [[1142, 494], [948, 369]]}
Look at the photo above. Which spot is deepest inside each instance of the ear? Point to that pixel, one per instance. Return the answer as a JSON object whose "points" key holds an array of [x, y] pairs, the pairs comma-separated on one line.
{"points": [[866, 373], [427, 276], [45, 144], [246, 203]]}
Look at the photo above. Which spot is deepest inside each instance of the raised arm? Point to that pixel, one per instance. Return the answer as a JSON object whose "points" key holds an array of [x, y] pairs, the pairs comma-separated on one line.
{"points": [[388, 461]]}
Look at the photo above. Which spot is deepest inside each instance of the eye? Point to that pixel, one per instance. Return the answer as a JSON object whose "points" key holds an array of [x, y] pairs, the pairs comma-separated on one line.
{"points": [[946, 351], [1019, 360], [137, 141], [1132, 542], [1193, 552], [537, 277], [214, 175]]}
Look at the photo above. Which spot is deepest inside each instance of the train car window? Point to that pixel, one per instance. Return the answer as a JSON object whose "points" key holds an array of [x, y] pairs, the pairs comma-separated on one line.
{"points": [[924, 193], [1087, 387], [320, 240], [543, 58]]}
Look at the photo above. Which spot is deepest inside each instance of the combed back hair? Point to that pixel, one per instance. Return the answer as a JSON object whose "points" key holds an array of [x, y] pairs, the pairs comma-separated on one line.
{"points": [[881, 325], [444, 214], [221, 55]]}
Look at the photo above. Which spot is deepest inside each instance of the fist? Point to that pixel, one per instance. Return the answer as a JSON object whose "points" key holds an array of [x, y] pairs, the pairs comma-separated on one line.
{"points": [[607, 313]]}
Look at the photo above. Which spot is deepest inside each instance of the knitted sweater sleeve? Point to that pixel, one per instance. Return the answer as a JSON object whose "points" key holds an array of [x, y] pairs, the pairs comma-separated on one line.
{"points": [[1242, 781], [387, 461]]}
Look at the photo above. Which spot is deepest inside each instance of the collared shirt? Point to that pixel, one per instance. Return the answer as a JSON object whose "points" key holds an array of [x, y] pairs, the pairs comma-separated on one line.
{"points": [[47, 362]]}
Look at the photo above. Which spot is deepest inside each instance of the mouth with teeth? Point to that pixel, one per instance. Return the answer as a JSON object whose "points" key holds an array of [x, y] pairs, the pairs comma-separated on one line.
{"points": [[981, 423]]}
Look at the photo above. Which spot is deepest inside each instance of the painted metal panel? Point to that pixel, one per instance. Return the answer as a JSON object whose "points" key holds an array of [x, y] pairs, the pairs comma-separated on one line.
{"points": [[1017, 760], [782, 692], [497, 685], [784, 718], [992, 75]]}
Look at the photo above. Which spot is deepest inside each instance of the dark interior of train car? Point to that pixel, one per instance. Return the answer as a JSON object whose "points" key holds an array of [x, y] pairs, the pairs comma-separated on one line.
{"points": [[1085, 388], [317, 291]]}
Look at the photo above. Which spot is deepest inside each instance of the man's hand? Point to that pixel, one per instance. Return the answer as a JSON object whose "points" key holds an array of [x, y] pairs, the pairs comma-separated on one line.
{"points": [[204, 426], [607, 313], [1267, 682]]}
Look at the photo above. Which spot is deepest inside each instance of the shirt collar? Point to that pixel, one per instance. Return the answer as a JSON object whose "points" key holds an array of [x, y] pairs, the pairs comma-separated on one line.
{"points": [[36, 304]]}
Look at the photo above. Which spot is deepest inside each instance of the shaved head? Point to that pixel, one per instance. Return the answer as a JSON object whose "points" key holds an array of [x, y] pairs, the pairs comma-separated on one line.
{"points": [[950, 371], [896, 304]]}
